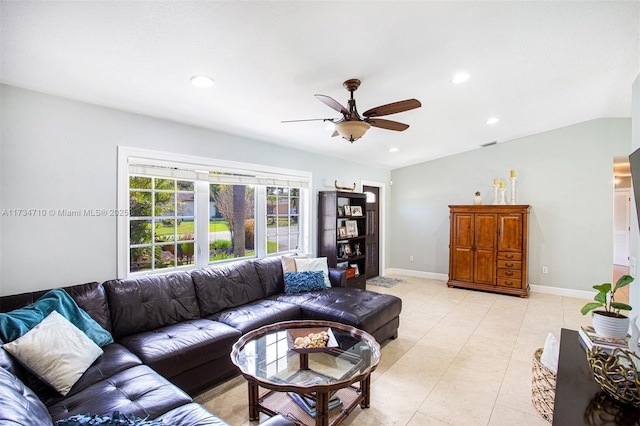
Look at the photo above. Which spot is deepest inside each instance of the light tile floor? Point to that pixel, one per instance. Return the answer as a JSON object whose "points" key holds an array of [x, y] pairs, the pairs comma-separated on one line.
{"points": [[462, 357]]}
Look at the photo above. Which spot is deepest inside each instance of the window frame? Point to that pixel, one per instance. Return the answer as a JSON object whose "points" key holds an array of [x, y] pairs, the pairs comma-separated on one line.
{"points": [[131, 155]]}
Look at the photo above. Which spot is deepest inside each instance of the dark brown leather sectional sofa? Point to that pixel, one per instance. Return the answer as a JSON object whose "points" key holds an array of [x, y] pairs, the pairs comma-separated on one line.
{"points": [[173, 336]]}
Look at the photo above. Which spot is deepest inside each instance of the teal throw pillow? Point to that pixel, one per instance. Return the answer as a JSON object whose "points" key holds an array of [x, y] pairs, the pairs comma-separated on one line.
{"points": [[18, 322], [298, 282]]}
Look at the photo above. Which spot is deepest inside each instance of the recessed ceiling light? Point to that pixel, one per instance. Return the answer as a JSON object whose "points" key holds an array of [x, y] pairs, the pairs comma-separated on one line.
{"points": [[202, 81], [492, 120], [394, 149], [460, 78]]}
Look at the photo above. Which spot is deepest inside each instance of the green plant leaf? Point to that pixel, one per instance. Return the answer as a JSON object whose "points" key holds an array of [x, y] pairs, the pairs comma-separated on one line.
{"points": [[603, 288], [621, 306], [624, 281], [601, 297], [590, 306]]}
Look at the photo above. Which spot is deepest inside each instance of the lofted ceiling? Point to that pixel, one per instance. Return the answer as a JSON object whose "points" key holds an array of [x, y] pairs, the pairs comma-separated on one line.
{"points": [[535, 65]]}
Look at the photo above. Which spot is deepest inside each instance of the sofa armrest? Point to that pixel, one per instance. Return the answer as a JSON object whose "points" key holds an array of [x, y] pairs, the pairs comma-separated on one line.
{"points": [[338, 277]]}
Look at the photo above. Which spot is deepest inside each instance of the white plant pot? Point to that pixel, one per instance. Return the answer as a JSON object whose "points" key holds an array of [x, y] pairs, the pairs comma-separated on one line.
{"points": [[611, 327]]}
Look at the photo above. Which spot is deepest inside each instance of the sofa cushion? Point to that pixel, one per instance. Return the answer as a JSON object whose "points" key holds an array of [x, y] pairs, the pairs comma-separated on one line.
{"points": [[193, 415], [227, 287], [174, 349], [298, 282], [137, 391], [254, 315], [18, 322], [363, 309], [271, 274], [146, 303], [18, 404], [56, 351]]}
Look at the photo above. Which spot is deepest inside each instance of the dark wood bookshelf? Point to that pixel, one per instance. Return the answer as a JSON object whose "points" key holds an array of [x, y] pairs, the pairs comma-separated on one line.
{"points": [[331, 244]]}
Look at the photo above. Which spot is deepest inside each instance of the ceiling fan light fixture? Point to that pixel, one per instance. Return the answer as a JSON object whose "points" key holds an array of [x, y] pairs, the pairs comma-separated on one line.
{"points": [[352, 130]]}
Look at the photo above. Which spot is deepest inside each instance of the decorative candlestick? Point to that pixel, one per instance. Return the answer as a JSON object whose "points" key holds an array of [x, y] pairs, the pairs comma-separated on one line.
{"points": [[502, 188], [495, 192], [513, 189]]}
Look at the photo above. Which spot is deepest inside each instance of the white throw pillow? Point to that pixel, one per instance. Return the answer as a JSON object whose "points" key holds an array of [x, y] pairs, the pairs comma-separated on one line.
{"points": [[317, 264], [551, 353], [56, 351], [289, 263]]}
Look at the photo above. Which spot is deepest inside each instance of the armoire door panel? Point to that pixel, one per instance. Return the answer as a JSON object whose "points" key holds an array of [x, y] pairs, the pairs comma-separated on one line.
{"points": [[484, 267], [485, 232], [464, 230], [463, 264], [510, 238]]}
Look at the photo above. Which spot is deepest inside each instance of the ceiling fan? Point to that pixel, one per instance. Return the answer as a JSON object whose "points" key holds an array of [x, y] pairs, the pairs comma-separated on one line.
{"points": [[352, 126]]}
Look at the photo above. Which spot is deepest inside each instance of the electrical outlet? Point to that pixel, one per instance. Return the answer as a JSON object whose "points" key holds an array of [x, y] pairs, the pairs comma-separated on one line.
{"points": [[544, 270], [410, 258]]}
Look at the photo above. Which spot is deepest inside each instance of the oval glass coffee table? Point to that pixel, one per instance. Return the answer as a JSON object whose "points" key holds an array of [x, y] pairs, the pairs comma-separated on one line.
{"points": [[318, 386]]}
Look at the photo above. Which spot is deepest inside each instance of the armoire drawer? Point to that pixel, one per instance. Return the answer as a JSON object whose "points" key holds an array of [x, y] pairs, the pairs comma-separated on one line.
{"points": [[505, 255], [505, 282], [509, 264], [513, 274]]}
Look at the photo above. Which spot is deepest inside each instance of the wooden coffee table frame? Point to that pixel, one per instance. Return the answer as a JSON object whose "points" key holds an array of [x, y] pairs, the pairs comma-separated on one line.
{"points": [[277, 401]]}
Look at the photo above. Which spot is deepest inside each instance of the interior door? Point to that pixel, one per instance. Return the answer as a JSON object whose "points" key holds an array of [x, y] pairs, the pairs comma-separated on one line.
{"points": [[621, 209], [372, 241]]}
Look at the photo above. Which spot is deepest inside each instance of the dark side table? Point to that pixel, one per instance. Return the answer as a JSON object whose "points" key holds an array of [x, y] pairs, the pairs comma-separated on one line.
{"points": [[579, 399]]}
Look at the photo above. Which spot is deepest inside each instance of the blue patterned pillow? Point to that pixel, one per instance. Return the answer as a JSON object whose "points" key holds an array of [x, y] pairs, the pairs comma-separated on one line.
{"points": [[298, 282]]}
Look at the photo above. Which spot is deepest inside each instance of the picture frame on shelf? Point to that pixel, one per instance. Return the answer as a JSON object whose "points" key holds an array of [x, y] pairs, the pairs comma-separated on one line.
{"points": [[347, 250], [340, 211], [356, 211], [342, 232], [352, 227], [355, 266], [347, 210]]}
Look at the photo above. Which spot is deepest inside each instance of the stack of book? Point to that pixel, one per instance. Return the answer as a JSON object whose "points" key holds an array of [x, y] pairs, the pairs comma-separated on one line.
{"points": [[590, 339], [308, 403]]}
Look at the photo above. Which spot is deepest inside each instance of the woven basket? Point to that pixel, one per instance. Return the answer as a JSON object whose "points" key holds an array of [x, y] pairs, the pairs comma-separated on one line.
{"points": [[543, 387]]}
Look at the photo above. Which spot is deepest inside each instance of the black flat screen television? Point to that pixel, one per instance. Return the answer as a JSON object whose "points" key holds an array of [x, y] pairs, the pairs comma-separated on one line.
{"points": [[634, 162]]}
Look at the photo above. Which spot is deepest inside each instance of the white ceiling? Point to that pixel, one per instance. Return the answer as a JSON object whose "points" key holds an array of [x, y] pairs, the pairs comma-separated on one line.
{"points": [[536, 65]]}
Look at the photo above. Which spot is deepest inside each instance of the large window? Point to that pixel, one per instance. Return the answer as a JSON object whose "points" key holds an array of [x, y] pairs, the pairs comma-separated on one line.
{"points": [[161, 223], [188, 212]]}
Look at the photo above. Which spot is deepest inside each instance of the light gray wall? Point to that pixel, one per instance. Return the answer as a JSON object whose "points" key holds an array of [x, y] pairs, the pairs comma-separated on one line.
{"points": [[58, 153], [566, 175], [634, 243]]}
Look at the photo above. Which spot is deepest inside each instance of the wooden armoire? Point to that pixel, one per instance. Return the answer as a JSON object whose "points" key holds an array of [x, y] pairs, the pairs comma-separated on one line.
{"points": [[488, 248]]}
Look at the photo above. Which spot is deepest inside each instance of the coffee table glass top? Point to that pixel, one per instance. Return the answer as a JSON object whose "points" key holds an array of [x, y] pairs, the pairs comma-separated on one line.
{"points": [[266, 355]]}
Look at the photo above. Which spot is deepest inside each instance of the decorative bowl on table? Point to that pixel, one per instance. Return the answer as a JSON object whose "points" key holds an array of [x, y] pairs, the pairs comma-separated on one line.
{"points": [[617, 373], [315, 339]]}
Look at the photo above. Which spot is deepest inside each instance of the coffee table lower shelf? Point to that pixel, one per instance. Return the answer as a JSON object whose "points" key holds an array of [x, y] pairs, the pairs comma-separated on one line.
{"points": [[274, 402]]}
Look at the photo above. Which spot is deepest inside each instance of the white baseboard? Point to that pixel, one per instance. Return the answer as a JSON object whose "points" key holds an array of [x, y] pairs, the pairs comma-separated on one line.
{"points": [[557, 291], [565, 292], [418, 274]]}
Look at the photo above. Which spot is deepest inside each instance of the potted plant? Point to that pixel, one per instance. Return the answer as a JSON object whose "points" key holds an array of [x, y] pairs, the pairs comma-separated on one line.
{"points": [[609, 322]]}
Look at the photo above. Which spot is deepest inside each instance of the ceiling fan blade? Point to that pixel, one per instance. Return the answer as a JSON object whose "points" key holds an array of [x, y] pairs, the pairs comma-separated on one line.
{"points": [[332, 103], [393, 108], [309, 119], [387, 124]]}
